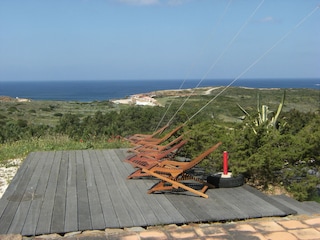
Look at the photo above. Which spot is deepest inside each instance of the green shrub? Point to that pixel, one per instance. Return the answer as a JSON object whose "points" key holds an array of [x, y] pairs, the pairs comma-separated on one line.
{"points": [[32, 111], [22, 123], [12, 109], [21, 148], [46, 109]]}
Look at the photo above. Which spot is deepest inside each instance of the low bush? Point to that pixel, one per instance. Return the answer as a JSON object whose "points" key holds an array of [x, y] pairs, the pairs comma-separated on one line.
{"points": [[21, 148]]}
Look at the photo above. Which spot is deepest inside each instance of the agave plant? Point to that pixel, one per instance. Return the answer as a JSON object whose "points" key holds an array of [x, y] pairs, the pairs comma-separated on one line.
{"points": [[263, 114]]}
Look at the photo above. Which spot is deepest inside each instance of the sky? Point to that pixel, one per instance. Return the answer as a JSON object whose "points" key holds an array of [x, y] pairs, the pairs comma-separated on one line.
{"points": [[158, 39]]}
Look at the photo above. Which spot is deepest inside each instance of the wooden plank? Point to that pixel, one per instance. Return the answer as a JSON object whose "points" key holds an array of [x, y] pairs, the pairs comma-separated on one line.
{"points": [[182, 207], [217, 207], [189, 206], [58, 214], [230, 210], [133, 198], [285, 209], [120, 207], [82, 190], [84, 216], [108, 210], [299, 207], [32, 219], [196, 205], [245, 204], [162, 202], [147, 205], [160, 206], [29, 195], [314, 205], [254, 206], [130, 188], [45, 217], [14, 183], [15, 199], [150, 208], [94, 199], [122, 153], [71, 216]]}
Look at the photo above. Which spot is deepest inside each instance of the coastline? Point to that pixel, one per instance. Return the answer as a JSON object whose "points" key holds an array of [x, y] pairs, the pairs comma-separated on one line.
{"points": [[99, 90]]}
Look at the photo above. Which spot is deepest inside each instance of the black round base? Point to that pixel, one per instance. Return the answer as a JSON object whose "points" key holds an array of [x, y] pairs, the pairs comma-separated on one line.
{"points": [[229, 182]]}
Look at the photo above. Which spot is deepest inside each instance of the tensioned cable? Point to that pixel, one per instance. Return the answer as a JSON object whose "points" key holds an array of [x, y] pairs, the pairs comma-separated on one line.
{"points": [[257, 60], [219, 57], [194, 63]]}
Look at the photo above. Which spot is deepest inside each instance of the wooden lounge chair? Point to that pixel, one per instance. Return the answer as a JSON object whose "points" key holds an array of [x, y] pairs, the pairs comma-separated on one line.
{"points": [[155, 147], [150, 159], [172, 174], [161, 153], [139, 137], [157, 141]]}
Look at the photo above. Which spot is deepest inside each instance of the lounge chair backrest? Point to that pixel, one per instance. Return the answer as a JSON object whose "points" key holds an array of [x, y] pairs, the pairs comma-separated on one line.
{"points": [[165, 153], [161, 140], [200, 157], [139, 137], [168, 135], [175, 147], [174, 141], [159, 131]]}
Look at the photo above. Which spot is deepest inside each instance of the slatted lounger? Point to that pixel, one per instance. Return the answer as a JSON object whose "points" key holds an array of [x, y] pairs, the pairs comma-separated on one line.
{"points": [[172, 174], [155, 147], [155, 141], [139, 137], [149, 159]]}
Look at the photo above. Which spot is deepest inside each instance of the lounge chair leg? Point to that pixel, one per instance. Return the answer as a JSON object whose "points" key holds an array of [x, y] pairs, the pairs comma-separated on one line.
{"points": [[204, 189], [160, 186], [138, 174], [174, 183]]}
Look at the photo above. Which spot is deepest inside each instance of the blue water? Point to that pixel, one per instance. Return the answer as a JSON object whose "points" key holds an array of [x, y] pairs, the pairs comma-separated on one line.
{"points": [[87, 91]]}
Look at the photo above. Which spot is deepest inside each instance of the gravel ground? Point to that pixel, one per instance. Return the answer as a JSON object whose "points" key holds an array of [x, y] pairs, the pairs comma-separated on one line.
{"points": [[7, 172]]}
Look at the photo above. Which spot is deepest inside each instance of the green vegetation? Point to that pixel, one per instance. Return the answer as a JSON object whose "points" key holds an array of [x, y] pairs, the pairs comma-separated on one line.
{"points": [[263, 117], [288, 158], [23, 147], [286, 155]]}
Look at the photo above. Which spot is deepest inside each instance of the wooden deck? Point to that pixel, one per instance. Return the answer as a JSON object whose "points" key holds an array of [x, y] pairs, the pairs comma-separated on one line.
{"points": [[66, 191]]}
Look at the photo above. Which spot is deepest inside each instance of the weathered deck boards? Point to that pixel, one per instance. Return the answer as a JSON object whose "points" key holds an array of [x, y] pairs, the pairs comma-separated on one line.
{"points": [[64, 191]]}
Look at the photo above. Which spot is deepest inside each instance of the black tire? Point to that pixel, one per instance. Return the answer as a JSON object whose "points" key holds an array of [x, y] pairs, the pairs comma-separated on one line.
{"points": [[220, 182]]}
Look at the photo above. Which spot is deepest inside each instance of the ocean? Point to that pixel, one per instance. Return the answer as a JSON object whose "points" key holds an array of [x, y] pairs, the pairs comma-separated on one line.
{"points": [[99, 90]]}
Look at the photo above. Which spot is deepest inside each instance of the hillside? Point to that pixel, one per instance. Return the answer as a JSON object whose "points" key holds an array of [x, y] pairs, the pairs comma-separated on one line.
{"points": [[224, 106], [273, 150]]}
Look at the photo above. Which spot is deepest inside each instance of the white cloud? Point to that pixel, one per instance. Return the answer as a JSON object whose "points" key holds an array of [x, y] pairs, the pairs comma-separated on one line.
{"points": [[267, 19], [176, 2], [140, 2]]}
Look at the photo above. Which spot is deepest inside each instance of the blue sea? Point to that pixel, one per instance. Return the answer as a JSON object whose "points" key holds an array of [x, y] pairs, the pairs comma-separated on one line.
{"points": [[99, 90]]}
